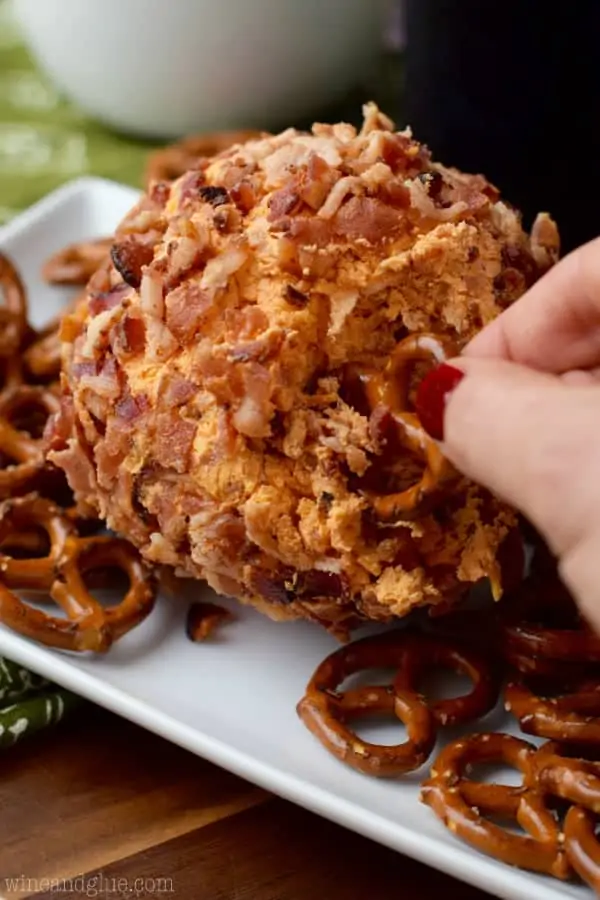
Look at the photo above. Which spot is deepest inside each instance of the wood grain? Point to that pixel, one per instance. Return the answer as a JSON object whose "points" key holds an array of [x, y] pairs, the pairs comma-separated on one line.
{"points": [[100, 808]]}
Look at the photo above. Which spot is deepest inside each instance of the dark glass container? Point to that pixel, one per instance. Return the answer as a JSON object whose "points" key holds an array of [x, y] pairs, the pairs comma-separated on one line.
{"points": [[511, 89]]}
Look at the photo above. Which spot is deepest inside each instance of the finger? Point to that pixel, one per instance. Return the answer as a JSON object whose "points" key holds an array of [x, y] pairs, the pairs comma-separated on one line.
{"points": [[532, 440], [555, 326]]}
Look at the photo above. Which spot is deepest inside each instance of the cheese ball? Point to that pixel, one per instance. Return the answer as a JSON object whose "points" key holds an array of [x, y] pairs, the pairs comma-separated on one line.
{"points": [[234, 399]]}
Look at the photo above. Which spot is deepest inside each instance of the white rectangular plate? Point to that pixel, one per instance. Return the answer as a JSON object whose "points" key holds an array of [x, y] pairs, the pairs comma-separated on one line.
{"points": [[232, 700]]}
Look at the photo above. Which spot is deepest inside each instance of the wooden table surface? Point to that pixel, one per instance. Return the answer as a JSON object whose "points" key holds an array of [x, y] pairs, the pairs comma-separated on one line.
{"points": [[98, 807]]}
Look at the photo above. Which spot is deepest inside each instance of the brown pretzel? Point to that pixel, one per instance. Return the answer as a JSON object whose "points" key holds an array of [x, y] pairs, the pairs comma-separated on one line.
{"points": [[23, 412], [170, 162], [11, 372], [459, 803], [203, 619], [571, 716], [573, 779], [88, 625], [325, 710], [422, 653], [42, 357], [581, 845], [21, 519], [541, 622], [13, 314], [389, 390], [75, 264]]}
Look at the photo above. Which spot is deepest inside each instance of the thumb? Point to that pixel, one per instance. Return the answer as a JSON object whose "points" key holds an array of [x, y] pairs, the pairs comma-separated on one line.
{"points": [[532, 440]]}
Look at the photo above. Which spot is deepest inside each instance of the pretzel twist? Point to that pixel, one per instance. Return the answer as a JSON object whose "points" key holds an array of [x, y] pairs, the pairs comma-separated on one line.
{"points": [[572, 716], [23, 412], [389, 390], [88, 626], [582, 846], [13, 314], [75, 264], [574, 779], [325, 710], [21, 519], [461, 804]]}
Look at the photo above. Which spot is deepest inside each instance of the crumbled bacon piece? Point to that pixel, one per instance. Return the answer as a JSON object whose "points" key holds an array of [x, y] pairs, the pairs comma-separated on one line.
{"points": [[204, 619], [81, 369], [214, 195], [285, 202], [173, 441], [59, 426], [129, 256], [160, 192], [367, 218], [100, 302], [190, 184], [186, 308], [131, 407], [131, 334], [295, 297], [243, 196], [176, 390]]}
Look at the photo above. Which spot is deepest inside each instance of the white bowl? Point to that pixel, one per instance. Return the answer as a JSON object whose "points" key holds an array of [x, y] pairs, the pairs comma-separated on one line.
{"points": [[164, 68]]}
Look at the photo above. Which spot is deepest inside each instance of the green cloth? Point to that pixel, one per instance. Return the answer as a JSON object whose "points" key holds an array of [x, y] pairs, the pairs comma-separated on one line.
{"points": [[29, 703], [45, 141]]}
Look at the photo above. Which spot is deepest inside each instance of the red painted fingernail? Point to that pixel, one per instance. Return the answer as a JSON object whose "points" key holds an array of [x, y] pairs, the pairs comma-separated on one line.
{"points": [[432, 395]]}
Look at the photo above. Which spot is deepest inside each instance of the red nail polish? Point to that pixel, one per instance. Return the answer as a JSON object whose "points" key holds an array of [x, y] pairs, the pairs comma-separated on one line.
{"points": [[432, 395]]}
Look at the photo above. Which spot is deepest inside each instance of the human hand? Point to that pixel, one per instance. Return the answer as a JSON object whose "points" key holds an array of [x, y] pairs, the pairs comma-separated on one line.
{"points": [[524, 417]]}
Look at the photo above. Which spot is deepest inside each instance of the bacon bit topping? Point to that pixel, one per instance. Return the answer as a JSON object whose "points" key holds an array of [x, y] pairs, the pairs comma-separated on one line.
{"points": [[130, 407], [316, 584], [107, 382], [218, 270], [186, 309], [368, 218], [271, 587], [545, 241], [286, 201], [190, 184], [245, 323], [134, 334], [160, 192], [80, 369], [227, 220], [204, 618], [253, 415], [311, 231], [317, 181], [243, 196], [295, 297], [78, 469], [174, 440], [351, 184], [129, 257], [59, 426], [175, 390], [259, 350], [100, 302], [214, 195]]}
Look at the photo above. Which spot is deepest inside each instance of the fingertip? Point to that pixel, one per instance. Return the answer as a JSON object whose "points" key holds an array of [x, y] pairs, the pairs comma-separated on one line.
{"points": [[432, 396]]}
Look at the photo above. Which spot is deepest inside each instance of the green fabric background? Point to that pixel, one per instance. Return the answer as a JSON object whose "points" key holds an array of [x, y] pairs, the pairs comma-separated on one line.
{"points": [[44, 142]]}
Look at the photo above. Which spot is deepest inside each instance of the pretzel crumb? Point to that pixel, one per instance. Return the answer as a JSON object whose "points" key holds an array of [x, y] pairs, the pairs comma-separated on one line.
{"points": [[204, 619]]}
